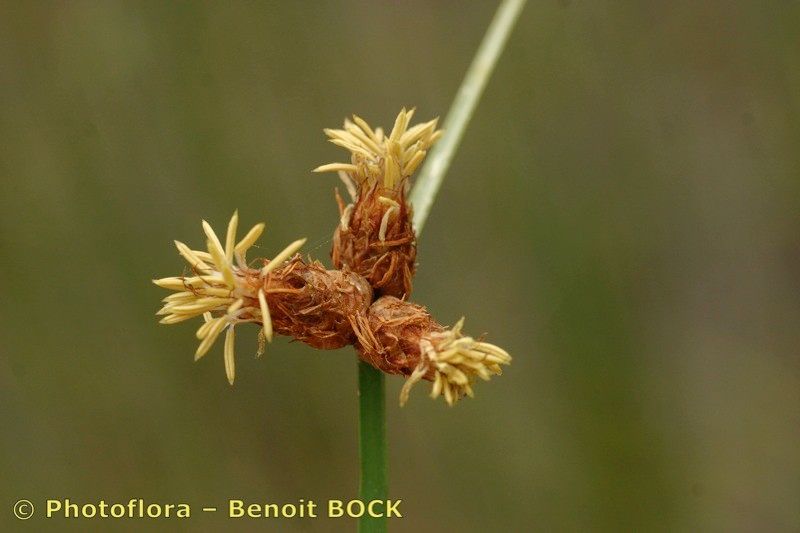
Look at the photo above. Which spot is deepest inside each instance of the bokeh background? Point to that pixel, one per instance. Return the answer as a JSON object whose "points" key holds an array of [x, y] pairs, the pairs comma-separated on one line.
{"points": [[623, 215]]}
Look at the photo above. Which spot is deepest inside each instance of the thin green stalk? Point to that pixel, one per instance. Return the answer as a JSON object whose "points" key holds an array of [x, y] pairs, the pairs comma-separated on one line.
{"points": [[372, 442], [372, 392], [438, 161]]}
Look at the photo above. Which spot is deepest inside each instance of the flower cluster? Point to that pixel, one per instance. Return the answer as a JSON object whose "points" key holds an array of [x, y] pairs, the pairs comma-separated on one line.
{"points": [[375, 237], [363, 301], [400, 337]]}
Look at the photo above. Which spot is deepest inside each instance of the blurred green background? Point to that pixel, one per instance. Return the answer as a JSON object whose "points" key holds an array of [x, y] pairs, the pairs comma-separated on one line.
{"points": [[623, 216]]}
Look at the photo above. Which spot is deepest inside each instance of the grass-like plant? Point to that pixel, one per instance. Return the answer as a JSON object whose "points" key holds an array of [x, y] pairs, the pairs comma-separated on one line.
{"points": [[364, 300]]}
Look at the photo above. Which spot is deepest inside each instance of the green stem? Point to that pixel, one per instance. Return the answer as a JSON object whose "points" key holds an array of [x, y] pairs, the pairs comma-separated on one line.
{"points": [[372, 392], [372, 443], [432, 174]]}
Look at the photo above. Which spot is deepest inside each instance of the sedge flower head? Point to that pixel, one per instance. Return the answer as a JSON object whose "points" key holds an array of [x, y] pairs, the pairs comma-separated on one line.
{"points": [[221, 289], [363, 301], [375, 235]]}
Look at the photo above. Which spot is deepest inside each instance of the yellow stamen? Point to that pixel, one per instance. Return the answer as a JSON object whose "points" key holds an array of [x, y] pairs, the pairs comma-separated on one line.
{"points": [[266, 319], [249, 239], [230, 368], [230, 237], [283, 256]]}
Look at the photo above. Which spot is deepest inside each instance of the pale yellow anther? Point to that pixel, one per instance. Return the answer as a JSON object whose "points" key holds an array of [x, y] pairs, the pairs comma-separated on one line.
{"points": [[205, 256], [213, 239], [230, 236], [173, 283], [174, 319], [200, 306], [211, 335], [398, 129], [366, 128], [336, 167], [494, 350], [230, 366], [385, 223], [468, 390], [221, 263], [266, 319], [349, 184], [249, 239], [344, 220], [388, 201], [235, 306], [191, 257], [415, 377], [202, 331], [183, 295], [437, 386], [215, 291], [279, 259], [365, 140], [351, 146], [448, 394], [414, 162]]}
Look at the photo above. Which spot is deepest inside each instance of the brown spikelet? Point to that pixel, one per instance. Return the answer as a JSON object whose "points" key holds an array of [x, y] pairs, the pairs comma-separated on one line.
{"points": [[400, 337], [375, 239], [389, 336], [312, 304]]}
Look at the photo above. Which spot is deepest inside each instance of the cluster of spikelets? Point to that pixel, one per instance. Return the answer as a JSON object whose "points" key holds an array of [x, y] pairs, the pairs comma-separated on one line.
{"points": [[363, 301]]}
